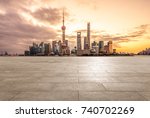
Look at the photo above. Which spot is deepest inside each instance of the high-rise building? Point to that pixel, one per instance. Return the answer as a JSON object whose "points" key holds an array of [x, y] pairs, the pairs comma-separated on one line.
{"points": [[106, 49], [88, 35], [66, 42], [114, 51], [101, 46], [27, 53], [145, 52], [54, 46], [47, 48], [110, 47], [41, 47], [94, 44], [60, 46], [57, 48], [85, 43], [95, 47], [34, 49], [68, 51], [79, 47]]}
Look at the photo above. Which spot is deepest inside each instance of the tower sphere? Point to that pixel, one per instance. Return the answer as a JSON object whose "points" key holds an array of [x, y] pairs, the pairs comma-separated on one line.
{"points": [[63, 28]]}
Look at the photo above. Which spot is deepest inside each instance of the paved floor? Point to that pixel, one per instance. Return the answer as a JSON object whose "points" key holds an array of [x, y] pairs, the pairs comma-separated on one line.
{"points": [[75, 78]]}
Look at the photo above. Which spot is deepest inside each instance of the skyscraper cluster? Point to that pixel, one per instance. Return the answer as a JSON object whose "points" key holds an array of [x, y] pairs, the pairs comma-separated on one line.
{"points": [[93, 48], [145, 52], [62, 48], [42, 49]]}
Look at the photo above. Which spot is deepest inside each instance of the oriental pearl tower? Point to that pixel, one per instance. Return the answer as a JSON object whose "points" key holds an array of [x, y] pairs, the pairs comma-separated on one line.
{"points": [[65, 48]]}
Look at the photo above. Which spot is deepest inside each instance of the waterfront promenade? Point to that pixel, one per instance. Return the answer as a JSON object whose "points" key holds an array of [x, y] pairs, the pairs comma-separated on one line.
{"points": [[75, 78]]}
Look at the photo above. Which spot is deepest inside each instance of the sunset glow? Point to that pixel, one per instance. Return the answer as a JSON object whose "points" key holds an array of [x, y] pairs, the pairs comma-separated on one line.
{"points": [[125, 22]]}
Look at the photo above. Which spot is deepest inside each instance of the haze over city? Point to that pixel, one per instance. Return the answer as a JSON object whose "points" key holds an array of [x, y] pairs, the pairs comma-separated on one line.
{"points": [[125, 22]]}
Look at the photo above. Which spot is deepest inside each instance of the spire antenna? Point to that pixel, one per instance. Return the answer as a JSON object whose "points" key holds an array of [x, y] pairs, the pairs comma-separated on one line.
{"points": [[63, 17], [63, 27]]}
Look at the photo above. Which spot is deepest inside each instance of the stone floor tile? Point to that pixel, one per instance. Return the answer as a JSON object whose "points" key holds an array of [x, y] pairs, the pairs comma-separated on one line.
{"points": [[127, 86], [47, 96], [63, 78], [110, 96], [7, 96], [146, 95], [90, 87]]}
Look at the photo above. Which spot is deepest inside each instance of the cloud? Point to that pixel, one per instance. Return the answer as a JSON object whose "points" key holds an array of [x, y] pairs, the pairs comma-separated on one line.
{"points": [[93, 3], [40, 10], [15, 30], [130, 36], [133, 35], [17, 33], [81, 30], [49, 15], [15, 5]]}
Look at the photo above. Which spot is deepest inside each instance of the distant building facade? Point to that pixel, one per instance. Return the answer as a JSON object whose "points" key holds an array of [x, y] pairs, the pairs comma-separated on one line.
{"points": [[145, 52], [85, 43], [110, 47], [88, 36], [79, 44], [38, 50], [101, 46]]}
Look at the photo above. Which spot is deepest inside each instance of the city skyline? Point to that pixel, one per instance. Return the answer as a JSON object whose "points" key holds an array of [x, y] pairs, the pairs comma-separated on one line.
{"points": [[126, 23], [61, 47]]}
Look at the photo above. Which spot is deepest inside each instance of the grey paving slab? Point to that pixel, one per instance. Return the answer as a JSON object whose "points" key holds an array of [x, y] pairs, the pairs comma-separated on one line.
{"points": [[86, 74], [99, 79], [145, 94], [75, 78], [127, 86], [7, 96], [27, 87], [65, 87], [119, 74], [47, 96], [90, 87], [110, 96], [56, 79], [135, 79], [19, 80]]}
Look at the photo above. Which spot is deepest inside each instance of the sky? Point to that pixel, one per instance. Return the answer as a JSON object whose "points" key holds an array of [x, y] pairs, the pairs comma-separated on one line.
{"points": [[125, 22]]}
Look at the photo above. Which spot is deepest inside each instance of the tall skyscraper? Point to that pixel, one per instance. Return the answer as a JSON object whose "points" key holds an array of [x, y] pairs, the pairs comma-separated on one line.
{"points": [[79, 47], [34, 49], [88, 35], [95, 47], [85, 43], [94, 44], [110, 47], [47, 48], [114, 51], [54, 46], [60, 46], [41, 46], [101, 46], [106, 49]]}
